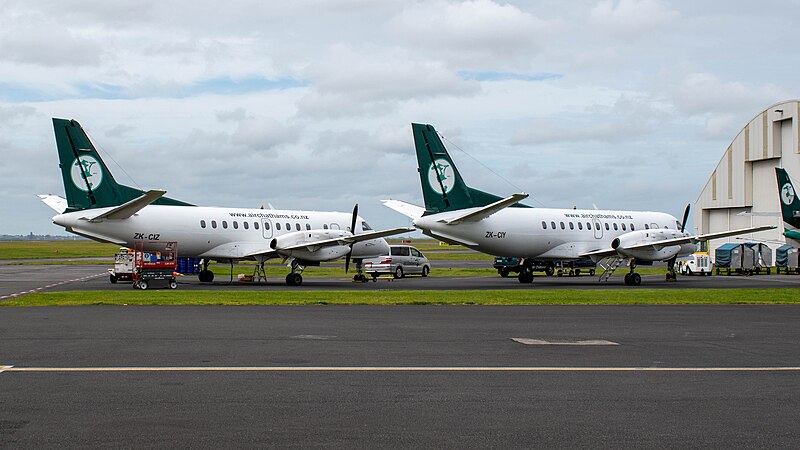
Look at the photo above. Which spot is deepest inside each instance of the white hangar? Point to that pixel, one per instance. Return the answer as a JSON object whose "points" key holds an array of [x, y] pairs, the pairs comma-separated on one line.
{"points": [[742, 190]]}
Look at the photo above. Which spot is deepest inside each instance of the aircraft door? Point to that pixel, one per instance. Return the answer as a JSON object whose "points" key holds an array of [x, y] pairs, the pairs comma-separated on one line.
{"points": [[598, 229], [266, 228]]}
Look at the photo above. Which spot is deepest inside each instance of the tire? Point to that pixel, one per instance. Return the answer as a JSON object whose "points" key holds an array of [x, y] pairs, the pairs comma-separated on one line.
{"points": [[577, 272], [173, 284], [504, 272], [398, 273], [143, 285], [525, 277], [298, 279], [113, 279], [636, 279], [425, 271], [549, 271]]}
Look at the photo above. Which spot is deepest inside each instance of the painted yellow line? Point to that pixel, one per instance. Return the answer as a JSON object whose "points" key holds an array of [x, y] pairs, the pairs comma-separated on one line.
{"points": [[398, 369]]}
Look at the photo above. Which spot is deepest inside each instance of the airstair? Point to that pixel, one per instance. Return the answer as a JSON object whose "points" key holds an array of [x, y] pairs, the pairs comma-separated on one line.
{"points": [[609, 265]]}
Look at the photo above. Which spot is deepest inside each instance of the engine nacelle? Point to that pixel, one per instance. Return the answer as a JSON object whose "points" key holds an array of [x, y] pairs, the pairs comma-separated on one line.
{"points": [[623, 244], [309, 252]]}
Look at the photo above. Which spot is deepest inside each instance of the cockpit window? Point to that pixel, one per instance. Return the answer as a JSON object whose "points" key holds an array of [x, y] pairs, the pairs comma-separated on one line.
{"points": [[365, 226]]}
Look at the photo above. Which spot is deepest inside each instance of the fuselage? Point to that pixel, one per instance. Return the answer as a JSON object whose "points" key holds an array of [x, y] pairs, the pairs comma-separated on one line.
{"points": [[215, 232], [545, 233]]}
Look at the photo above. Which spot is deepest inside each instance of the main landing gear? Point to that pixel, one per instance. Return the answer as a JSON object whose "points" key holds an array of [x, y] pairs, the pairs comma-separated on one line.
{"points": [[205, 275], [632, 278], [671, 274], [359, 277], [295, 278], [526, 274]]}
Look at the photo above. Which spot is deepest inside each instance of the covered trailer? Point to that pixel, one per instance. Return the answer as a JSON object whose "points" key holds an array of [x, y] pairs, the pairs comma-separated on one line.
{"points": [[762, 256], [731, 258], [786, 258]]}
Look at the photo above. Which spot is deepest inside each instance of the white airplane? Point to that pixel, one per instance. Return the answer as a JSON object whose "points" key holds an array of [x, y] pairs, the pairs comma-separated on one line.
{"points": [[99, 208], [456, 213]]}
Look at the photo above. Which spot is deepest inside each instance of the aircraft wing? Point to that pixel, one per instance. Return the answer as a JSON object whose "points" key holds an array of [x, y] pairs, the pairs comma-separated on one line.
{"points": [[346, 240], [130, 208], [486, 211], [407, 209], [56, 203], [602, 253]]}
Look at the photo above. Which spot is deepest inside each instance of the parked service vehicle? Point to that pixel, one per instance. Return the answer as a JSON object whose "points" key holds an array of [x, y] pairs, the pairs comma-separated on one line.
{"points": [[123, 266], [698, 263], [506, 265], [403, 260]]}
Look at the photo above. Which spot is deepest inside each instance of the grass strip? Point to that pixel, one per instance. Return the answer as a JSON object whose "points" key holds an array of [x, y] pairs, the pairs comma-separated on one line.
{"points": [[630, 296]]}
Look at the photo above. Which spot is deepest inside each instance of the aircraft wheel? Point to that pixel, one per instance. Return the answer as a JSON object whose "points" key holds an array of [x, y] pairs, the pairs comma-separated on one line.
{"points": [[113, 279], [627, 279], [289, 280], [173, 284], [525, 277], [398, 273], [425, 271], [636, 279]]}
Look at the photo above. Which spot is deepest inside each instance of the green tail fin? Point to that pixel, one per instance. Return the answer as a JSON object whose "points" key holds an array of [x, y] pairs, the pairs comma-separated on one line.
{"points": [[790, 204], [87, 181], [442, 186]]}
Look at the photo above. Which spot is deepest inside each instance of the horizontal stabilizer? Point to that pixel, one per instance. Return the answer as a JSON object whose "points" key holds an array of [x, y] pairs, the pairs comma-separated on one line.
{"points": [[486, 211], [56, 203], [130, 208], [407, 209]]}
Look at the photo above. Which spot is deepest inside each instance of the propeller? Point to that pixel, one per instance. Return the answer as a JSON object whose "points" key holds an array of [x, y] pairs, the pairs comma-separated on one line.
{"points": [[685, 217], [352, 230]]}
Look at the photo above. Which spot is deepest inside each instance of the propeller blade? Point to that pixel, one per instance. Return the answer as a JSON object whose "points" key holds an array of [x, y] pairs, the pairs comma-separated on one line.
{"points": [[685, 217], [353, 231]]}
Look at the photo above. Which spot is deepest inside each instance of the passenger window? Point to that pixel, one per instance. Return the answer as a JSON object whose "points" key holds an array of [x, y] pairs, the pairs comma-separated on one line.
{"points": [[580, 225], [624, 228], [266, 225], [615, 226], [246, 225], [394, 251], [597, 225], [633, 228], [202, 224], [571, 226], [225, 224], [213, 224], [415, 252], [553, 224], [288, 226], [404, 251], [646, 227], [235, 225], [588, 225], [297, 226], [607, 228], [544, 225], [562, 226], [277, 226]]}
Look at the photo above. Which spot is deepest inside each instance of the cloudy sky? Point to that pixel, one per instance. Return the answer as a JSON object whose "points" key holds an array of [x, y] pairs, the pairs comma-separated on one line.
{"points": [[623, 104]]}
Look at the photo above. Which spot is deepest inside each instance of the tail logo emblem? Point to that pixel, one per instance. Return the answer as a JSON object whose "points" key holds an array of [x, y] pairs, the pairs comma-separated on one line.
{"points": [[787, 194], [88, 167], [440, 175]]}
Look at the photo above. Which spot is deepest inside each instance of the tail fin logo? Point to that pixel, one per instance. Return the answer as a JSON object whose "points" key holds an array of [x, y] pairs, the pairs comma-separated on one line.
{"points": [[787, 194], [440, 176], [85, 170]]}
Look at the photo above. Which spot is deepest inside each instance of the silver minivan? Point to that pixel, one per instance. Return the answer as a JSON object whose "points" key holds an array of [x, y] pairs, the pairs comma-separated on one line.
{"points": [[403, 260]]}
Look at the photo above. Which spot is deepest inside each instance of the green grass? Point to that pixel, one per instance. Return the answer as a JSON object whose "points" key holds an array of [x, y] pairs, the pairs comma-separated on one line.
{"points": [[532, 296], [55, 249]]}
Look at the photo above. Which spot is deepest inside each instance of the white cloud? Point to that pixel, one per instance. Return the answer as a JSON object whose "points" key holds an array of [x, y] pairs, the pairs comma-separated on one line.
{"points": [[628, 18]]}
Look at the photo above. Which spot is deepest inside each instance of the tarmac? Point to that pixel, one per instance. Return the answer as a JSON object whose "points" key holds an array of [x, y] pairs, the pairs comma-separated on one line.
{"points": [[397, 376]]}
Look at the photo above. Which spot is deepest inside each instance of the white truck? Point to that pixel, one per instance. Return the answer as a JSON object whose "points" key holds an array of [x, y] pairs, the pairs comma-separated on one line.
{"points": [[697, 263], [123, 266]]}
